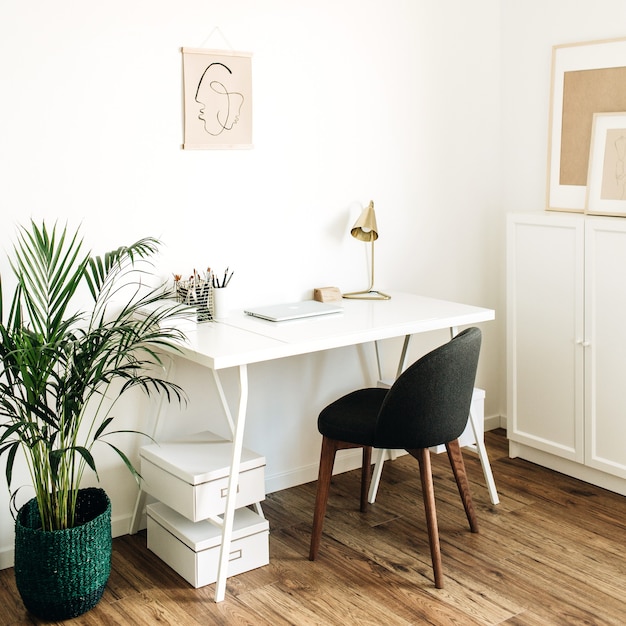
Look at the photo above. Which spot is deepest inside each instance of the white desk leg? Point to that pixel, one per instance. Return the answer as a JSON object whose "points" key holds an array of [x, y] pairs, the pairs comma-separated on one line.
{"points": [[233, 479], [376, 474], [480, 447], [484, 461], [231, 424], [382, 454], [140, 503]]}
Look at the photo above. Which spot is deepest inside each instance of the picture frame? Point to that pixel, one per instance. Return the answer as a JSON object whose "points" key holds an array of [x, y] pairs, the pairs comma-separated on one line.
{"points": [[606, 181], [217, 95], [587, 78]]}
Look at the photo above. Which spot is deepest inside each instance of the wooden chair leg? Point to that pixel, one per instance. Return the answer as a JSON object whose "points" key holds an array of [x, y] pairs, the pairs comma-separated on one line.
{"points": [[428, 492], [458, 467], [366, 476], [327, 460]]}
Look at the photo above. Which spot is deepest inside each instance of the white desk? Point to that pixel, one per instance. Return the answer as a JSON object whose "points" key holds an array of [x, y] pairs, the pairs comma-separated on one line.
{"points": [[240, 340]]}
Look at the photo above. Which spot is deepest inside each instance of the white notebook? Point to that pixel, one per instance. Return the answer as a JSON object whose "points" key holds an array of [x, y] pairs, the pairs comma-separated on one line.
{"points": [[293, 310]]}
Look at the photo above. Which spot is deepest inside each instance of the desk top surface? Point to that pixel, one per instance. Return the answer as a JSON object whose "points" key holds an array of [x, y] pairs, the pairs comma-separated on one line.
{"points": [[241, 339]]}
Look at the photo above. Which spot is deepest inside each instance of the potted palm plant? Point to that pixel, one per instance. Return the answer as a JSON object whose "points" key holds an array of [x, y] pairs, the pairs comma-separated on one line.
{"points": [[63, 368]]}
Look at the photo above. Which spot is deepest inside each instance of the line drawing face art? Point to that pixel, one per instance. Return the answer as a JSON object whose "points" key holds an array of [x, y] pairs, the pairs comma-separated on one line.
{"points": [[620, 170], [614, 165], [606, 190], [219, 108], [217, 92]]}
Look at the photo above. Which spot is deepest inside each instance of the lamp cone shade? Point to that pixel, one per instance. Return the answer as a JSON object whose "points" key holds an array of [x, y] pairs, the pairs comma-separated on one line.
{"points": [[365, 228]]}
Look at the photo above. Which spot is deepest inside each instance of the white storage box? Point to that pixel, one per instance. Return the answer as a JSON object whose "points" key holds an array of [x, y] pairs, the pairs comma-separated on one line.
{"points": [[191, 476], [193, 549]]}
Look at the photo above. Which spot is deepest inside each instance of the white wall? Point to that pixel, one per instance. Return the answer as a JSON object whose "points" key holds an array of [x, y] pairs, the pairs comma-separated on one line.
{"points": [[529, 30], [396, 101]]}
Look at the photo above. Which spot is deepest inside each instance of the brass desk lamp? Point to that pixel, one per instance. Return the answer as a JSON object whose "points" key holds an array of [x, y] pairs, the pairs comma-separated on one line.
{"points": [[365, 229]]}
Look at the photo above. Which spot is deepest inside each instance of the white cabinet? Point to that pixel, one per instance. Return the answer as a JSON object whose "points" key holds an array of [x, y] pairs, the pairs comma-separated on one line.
{"points": [[566, 344], [605, 356]]}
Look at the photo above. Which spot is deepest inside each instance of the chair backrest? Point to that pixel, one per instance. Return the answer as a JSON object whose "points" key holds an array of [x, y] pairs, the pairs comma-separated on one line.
{"points": [[430, 401]]}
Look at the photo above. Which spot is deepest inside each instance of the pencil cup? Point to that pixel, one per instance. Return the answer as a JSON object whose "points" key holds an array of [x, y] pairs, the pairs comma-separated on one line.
{"points": [[204, 304], [221, 303]]}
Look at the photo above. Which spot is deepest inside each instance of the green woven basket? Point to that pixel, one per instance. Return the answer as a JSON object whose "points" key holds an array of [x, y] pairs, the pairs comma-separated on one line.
{"points": [[61, 574]]}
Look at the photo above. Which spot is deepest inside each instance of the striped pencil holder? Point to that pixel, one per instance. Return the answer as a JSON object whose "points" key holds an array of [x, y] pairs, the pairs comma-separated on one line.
{"points": [[200, 295]]}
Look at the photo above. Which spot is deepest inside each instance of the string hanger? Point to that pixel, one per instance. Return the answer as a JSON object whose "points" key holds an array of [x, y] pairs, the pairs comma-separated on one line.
{"points": [[221, 34]]}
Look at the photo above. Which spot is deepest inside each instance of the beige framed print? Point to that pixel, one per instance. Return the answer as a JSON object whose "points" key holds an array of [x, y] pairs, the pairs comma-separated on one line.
{"points": [[606, 181], [217, 93], [587, 78]]}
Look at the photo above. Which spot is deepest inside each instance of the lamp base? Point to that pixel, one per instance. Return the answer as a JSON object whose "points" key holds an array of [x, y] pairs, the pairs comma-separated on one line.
{"points": [[368, 294]]}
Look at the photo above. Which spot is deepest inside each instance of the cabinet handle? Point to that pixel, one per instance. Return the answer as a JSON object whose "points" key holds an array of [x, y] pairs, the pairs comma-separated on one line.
{"points": [[224, 491], [233, 556], [584, 344]]}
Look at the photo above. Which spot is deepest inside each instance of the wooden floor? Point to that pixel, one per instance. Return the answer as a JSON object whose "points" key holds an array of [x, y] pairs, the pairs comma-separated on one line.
{"points": [[552, 552]]}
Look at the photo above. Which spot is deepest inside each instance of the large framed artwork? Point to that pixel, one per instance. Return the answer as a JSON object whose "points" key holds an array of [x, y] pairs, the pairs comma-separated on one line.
{"points": [[217, 93], [606, 182], [587, 78]]}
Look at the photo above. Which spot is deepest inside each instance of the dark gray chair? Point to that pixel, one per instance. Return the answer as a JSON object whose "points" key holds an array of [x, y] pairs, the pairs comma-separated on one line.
{"points": [[428, 405]]}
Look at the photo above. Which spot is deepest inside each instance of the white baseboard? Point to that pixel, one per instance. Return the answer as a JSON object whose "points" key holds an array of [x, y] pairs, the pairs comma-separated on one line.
{"points": [[569, 468], [7, 558], [495, 421], [345, 461]]}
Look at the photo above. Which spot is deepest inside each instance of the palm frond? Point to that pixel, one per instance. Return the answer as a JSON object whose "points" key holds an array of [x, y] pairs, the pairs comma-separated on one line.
{"points": [[58, 362]]}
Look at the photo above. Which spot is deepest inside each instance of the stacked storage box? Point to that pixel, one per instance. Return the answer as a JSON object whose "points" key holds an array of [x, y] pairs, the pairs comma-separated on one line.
{"points": [[190, 480]]}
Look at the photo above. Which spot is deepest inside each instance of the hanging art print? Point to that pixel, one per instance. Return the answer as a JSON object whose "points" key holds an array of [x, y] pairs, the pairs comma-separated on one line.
{"points": [[217, 91]]}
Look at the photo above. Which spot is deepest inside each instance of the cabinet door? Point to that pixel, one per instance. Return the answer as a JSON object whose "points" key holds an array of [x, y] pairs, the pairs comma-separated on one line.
{"points": [[545, 274], [605, 334]]}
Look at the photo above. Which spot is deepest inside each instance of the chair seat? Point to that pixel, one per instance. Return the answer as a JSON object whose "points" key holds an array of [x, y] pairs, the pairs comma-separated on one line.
{"points": [[353, 416]]}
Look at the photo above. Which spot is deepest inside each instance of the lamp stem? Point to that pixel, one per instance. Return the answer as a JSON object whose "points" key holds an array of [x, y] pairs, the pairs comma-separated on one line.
{"points": [[372, 274], [370, 293]]}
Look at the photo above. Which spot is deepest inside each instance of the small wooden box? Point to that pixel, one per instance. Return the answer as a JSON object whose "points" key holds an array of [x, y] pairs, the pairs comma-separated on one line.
{"points": [[193, 549], [191, 476], [327, 294]]}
